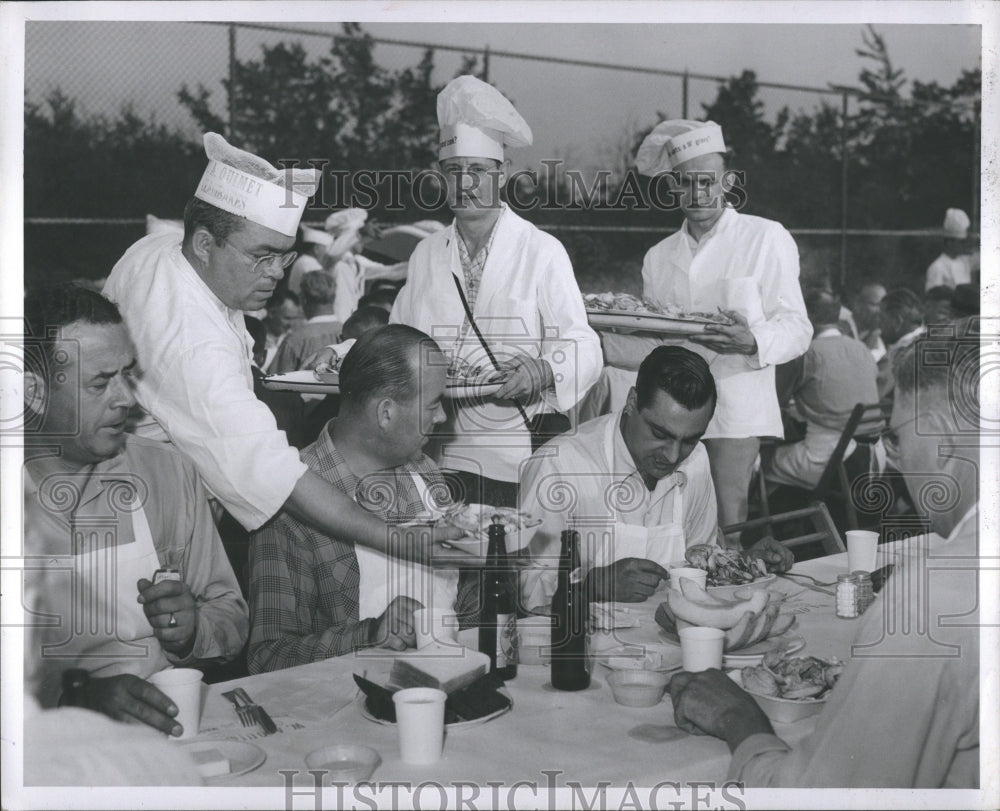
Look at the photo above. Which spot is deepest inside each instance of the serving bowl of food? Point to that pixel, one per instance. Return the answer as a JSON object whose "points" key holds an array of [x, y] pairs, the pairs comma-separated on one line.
{"points": [[728, 570], [789, 688]]}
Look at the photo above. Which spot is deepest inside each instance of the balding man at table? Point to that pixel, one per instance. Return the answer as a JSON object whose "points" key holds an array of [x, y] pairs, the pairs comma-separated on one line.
{"points": [[905, 712]]}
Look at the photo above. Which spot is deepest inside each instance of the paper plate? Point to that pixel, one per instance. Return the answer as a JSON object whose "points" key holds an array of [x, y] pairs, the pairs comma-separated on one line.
{"points": [[306, 381], [243, 757], [646, 322], [363, 703]]}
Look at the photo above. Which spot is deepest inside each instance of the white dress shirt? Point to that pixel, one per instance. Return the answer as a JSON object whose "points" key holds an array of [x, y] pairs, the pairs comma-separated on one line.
{"points": [[196, 385], [588, 480]]}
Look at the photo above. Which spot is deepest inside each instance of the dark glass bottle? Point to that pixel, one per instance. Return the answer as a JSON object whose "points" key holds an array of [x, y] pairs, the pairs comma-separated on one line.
{"points": [[74, 687], [569, 629], [498, 620]]}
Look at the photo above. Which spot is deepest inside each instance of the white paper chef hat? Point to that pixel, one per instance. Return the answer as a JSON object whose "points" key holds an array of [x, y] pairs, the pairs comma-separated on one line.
{"points": [[956, 223], [315, 236], [250, 187], [675, 141], [344, 225], [476, 121]]}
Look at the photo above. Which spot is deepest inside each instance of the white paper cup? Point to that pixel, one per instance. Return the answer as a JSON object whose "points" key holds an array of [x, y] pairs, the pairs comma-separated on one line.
{"points": [[862, 550], [420, 721], [701, 648], [698, 575], [182, 685], [436, 625]]}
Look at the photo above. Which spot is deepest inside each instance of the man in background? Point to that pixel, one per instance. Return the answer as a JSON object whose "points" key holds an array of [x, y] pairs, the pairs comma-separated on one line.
{"points": [[901, 321], [957, 264], [321, 328], [866, 308], [835, 374]]}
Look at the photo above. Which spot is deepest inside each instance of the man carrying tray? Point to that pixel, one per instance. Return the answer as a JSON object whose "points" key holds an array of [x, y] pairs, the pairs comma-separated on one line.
{"points": [[745, 266], [519, 286]]}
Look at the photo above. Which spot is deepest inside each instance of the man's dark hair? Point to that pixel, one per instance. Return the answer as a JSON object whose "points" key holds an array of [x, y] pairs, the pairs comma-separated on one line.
{"points": [[383, 297], [903, 304], [384, 362], [220, 224], [280, 296], [822, 307], [50, 309], [679, 372], [940, 293], [362, 320], [318, 288]]}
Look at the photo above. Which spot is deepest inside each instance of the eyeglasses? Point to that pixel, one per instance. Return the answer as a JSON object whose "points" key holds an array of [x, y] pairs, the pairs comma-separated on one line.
{"points": [[270, 260]]}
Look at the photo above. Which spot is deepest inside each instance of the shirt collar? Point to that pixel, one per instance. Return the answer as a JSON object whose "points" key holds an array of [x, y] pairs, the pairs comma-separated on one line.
{"points": [[322, 319], [720, 225], [829, 332], [95, 478]]}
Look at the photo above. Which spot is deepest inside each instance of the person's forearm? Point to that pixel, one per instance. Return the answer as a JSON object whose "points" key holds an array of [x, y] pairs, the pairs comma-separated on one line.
{"points": [[318, 503]]}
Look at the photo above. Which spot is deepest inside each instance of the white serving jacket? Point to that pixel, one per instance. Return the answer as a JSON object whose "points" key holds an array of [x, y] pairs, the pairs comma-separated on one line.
{"points": [[196, 383], [528, 303], [750, 265]]}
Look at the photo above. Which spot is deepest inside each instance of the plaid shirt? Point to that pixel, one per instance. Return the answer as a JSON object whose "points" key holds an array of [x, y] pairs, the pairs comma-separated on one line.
{"points": [[472, 266], [304, 584]]}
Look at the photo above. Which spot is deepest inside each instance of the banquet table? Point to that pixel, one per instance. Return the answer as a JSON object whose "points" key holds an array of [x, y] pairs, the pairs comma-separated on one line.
{"points": [[583, 736]]}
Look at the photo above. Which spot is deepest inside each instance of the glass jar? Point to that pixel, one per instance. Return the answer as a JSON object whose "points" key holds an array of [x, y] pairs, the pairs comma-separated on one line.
{"points": [[847, 596]]}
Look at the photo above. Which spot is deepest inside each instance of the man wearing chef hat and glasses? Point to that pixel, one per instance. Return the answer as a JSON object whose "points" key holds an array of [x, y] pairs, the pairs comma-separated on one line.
{"points": [[183, 298], [956, 263], [721, 259], [519, 286]]}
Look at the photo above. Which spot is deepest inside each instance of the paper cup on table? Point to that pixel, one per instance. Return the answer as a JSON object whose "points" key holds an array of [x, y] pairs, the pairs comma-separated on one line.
{"points": [[420, 721], [436, 625], [701, 648], [182, 685], [862, 550], [699, 576]]}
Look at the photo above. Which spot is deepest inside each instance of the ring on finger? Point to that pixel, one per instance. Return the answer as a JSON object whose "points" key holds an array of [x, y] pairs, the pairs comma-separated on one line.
{"points": [[172, 622]]}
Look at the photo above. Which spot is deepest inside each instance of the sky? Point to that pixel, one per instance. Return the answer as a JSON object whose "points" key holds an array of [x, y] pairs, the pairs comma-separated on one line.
{"points": [[584, 115]]}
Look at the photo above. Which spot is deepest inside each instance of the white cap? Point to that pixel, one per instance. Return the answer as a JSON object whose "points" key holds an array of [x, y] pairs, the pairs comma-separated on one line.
{"points": [[315, 236], [956, 223], [348, 219], [250, 187], [675, 141], [476, 121]]}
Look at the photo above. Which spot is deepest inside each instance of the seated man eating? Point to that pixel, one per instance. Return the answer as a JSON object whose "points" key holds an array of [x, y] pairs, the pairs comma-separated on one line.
{"points": [[116, 508], [635, 483], [313, 596]]}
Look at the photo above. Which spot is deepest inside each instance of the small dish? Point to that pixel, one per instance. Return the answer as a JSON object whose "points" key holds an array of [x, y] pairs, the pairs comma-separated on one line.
{"points": [[641, 657], [243, 757], [345, 763], [638, 688]]}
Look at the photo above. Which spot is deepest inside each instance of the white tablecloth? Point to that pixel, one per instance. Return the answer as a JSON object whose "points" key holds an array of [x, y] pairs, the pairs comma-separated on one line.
{"points": [[584, 736]]}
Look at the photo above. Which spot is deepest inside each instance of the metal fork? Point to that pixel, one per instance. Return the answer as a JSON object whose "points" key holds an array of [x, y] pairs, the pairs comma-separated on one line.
{"points": [[245, 711], [808, 577]]}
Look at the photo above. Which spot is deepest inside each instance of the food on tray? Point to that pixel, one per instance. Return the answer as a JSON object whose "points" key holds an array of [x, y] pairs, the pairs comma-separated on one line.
{"points": [[794, 678], [627, 303], [459, 369], [475, 519], [747, 621], [446, 671], [725, 567]]}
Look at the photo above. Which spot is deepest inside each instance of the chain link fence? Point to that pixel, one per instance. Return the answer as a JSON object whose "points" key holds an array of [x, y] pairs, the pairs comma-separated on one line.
{"points": [[106, 67]]}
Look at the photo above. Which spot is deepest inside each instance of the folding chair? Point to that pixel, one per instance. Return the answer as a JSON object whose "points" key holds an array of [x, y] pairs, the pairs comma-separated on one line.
{"points": [[865, 426], [823, 532]]}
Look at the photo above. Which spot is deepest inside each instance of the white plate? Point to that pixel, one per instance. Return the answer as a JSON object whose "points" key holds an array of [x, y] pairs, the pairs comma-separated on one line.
{"points": [[611, 617], [637, 657], [454, 725], [305, 381], [753, 654], [646, 322], [243, 757]]}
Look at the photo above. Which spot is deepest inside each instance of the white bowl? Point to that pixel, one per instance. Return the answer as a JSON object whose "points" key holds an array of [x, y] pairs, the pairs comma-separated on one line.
{"points": [[345, 763], [783, 710], [638, 688]]}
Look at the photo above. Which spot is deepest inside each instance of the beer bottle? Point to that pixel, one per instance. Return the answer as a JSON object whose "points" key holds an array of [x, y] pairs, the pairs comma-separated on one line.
{"points": [[498, 619], [569, 629]]}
